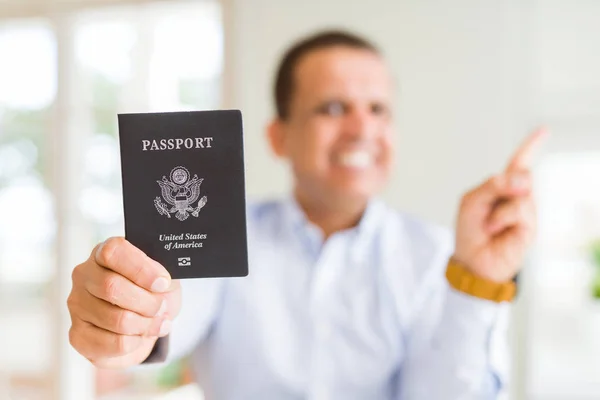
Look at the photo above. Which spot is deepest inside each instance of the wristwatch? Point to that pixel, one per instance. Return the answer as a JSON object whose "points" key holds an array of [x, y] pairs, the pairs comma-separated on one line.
{"points": [[463, 280]]}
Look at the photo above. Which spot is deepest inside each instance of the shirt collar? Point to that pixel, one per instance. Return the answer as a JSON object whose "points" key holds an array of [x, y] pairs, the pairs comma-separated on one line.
{"points": [[298, 222]]}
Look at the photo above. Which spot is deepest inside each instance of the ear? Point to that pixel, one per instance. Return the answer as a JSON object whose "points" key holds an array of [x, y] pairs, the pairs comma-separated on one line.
{"points": [[276, 137]]}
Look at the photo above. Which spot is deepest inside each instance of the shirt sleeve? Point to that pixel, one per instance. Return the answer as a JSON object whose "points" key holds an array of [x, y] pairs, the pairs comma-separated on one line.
{"points": [[453, 358], [455, 344], [201, 304]]}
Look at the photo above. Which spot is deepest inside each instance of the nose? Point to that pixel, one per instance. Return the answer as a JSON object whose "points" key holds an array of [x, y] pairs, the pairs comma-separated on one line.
{"points": [[360, 124]]}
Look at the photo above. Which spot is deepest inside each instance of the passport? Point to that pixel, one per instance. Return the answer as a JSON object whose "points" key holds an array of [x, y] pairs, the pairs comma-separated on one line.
{"points": [[184, 190]]}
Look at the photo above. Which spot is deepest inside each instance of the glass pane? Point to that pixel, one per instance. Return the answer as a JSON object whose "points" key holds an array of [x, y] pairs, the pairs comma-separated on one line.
{"points": [[565, 310], [27, 224], [25, 99], [186, 64], [105, 46]]}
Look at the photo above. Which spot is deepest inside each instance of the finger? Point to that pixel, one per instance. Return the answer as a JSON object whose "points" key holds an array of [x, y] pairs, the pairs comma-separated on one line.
{"points": [[519, 213], [118, 255], [112, 318], [519, 183], [128, 360], [516, 237], [523, 157], [507, 214], [120, 291], [500, 187], [173, 299], [95, 343]]}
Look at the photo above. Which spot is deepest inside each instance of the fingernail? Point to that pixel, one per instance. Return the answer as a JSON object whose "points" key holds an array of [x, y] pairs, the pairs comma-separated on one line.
{"points": [[165, 328], [160, 285], [163, 308], [99, 249]]}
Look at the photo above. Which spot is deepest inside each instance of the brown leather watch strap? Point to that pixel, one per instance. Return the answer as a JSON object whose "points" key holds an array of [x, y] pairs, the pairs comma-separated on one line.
{"points": [[463, 280]]}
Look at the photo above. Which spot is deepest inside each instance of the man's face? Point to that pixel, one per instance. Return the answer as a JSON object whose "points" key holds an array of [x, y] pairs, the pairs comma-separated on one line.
{"points": [[338, 136]]}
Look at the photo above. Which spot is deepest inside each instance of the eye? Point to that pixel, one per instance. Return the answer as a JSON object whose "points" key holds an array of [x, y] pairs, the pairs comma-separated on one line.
{"points": [[379, 109], [332, 109]]}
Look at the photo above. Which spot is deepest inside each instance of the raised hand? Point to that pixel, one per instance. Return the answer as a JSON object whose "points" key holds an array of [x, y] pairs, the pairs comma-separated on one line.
{"points": [[497, 220]]}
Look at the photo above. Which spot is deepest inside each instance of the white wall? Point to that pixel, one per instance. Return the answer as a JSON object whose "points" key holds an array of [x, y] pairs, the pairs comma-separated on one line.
{"points": [[460, 67]]}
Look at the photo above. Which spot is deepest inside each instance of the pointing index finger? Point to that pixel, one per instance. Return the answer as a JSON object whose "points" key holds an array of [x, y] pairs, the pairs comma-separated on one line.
{"points": [[523, 157]]}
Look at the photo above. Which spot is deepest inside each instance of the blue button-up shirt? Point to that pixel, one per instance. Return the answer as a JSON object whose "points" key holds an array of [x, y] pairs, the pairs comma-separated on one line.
{"points": [[366, 314]]}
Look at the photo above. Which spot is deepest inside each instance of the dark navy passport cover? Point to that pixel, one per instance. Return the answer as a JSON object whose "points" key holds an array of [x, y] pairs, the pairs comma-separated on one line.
{"points": [[184, 190]]}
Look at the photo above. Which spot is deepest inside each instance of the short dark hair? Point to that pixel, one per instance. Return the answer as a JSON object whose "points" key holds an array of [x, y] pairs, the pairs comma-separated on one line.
{"points": [[284, 80]]}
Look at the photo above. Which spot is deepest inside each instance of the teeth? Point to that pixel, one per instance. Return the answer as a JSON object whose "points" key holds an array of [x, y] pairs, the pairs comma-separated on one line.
{"points": [[356, 159]]}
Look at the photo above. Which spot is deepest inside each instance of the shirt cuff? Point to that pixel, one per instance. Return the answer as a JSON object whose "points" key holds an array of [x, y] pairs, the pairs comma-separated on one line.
{"points": [[467, 330], [472, 310], [159, 351], [466, 323]]}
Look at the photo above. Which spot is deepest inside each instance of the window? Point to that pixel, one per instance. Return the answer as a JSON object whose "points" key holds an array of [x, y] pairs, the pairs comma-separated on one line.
{"points": [[558, 357], [25, 199], [563, 332], [86, 65], [27, 220]]}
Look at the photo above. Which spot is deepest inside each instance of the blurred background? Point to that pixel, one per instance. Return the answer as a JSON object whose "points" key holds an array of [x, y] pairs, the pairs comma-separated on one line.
{"points": [[474, 76]]}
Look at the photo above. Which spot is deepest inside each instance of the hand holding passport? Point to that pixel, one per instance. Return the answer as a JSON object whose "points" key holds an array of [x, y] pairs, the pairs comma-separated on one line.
{"points": [[183, 191]]}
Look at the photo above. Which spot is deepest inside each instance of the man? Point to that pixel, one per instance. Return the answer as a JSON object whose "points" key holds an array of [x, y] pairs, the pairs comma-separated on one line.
{"points": [[346, 298]]}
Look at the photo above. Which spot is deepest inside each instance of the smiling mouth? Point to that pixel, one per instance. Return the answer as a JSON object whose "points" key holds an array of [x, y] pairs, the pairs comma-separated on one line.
{"points": [[358, 159]]}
